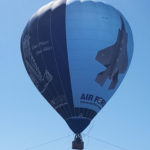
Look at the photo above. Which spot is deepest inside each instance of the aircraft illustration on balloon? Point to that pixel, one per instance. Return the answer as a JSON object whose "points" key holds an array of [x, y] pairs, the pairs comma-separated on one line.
{"points": [[114, 58]]}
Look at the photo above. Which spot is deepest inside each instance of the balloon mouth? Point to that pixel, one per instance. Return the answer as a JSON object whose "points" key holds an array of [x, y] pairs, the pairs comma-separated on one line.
{"points": [[78, 124]]}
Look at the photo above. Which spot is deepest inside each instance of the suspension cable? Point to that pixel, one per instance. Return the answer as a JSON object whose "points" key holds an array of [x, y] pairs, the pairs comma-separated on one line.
{"points": [[48, 142], [108, 143]]}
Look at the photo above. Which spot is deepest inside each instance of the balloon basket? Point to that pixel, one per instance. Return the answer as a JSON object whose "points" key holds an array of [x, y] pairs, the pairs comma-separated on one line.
{"points": [[78, 142]]}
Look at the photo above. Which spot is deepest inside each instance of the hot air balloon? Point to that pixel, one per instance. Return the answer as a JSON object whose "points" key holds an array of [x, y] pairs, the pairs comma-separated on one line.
{"points": [[77, 54]]}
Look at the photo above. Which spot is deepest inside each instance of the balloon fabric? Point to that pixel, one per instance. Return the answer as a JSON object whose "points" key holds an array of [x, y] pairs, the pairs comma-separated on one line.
{"points": [[77, 54]]}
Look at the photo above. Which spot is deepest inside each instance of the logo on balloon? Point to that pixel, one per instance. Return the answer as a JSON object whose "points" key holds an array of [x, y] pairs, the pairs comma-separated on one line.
{"points": [[114, 58], [94, 100], [40, 80]]}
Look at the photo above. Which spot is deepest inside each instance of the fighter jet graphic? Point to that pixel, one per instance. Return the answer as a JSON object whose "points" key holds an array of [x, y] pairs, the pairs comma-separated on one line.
{"points": [[114, 58]]}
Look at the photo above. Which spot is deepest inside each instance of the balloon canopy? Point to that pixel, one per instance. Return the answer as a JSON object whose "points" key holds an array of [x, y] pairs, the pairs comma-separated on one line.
{"points": [[77, 53]]}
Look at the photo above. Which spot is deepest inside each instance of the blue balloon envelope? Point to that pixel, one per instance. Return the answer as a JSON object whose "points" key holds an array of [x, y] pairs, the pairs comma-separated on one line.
{"points": [[77, 53]]}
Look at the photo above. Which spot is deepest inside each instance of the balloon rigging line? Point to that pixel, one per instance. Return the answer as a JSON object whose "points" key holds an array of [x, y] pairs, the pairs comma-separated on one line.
{"points": [[88, 133], [48, 142], [108, 143], [90, 128]]}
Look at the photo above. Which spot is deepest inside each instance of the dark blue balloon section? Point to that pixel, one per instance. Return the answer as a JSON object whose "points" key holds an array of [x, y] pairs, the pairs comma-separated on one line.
{"points": [[44, 52]]}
